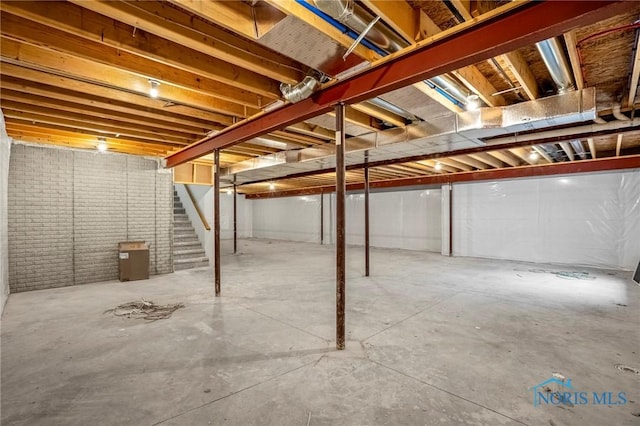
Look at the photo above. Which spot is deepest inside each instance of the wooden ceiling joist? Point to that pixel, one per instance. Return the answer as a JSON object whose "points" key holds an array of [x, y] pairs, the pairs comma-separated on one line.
{"points": [[176, 25], [99, 95], [42, 59]]}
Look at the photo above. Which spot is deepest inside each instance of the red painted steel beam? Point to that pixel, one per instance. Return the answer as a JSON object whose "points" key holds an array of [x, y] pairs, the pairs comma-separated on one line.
{"points": [[464, 45], [583, 166]]}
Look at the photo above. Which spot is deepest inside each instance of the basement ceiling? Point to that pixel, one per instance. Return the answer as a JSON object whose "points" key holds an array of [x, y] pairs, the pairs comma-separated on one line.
{"points": [[77, 74]]}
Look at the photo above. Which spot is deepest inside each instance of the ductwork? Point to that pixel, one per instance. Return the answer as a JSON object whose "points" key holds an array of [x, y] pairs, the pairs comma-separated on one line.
{"points": [[355, 17], [618, 114], [448, 133], [557, 64], [452, 88], [576, 144], [300, 91]]}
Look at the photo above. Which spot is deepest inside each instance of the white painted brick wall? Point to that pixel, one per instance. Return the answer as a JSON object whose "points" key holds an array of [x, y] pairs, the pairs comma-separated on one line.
{"points": [[69, 209]]}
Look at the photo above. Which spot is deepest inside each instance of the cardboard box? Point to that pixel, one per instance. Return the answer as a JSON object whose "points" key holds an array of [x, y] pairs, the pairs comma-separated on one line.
{"points": [[133, 261]]}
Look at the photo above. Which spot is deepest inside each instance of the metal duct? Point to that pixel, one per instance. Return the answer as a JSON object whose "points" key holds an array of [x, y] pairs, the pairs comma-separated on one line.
{"points": [[452, 87], [576, 144], [392, 108], [449, 133], [557, 64], [300, 91], [356, 18]]}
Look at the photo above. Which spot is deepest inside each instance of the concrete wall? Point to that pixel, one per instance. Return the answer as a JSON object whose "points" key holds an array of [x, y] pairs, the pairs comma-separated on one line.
{"points": [[69, 209], [204, 197], [5, 152]]}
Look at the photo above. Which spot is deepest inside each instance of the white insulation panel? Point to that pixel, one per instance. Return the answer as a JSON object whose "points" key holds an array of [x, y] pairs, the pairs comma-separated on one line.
{"points": [[580, 219]]}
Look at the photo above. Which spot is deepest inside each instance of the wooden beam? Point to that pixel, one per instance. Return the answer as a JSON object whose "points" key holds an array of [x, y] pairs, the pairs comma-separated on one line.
{"points": [[380, 113], [80, 109], [523, 154], [98, 126], [543, 153], [398, 14], [290, 7], [505, 29], [456, 163], [427, 28], [486, 158], [619, 145], [567, 149], [574, 58], [506, 157], [172, 64], [178, 26], [463, 8], [357, 118], [522, 73], [592, 148], [471, 162], [97, 95], [635, 77], [475, 81], [71, 66]]}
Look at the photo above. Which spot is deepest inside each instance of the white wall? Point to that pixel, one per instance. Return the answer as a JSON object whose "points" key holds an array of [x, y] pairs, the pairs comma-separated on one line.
{"points": [[579, 219], [289, 218], [5, 150], [401, 219], [204, 197]]}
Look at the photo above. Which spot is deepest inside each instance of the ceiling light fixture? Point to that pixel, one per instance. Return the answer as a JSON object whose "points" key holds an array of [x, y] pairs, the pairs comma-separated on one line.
{"points": [[153, 92], [102, 145], [438, 166], [473, 102], [533, 156], [272, 186], [229, 191]]}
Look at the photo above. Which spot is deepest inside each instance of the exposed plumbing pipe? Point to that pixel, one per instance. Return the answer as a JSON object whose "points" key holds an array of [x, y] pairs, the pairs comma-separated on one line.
{"points": [[300, 91], [356, 18], [394, 109], [557, 64], [339, 13], [618, 114], [576, 144], [452, 87], [340, 26]]}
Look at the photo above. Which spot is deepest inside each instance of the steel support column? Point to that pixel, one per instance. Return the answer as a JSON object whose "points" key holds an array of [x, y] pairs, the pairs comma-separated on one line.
{"points": [[235, 218], [450, 219], [340, 226], [321, 218], [216, 219], [366, 214], [487, 36]]}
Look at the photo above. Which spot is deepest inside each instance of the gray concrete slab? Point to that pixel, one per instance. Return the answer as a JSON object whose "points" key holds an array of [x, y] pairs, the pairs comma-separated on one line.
{"points": [[431, 340]]}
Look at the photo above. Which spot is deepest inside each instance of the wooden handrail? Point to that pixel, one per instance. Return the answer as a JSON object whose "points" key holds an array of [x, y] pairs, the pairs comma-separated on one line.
{"points": [[195, 204]]}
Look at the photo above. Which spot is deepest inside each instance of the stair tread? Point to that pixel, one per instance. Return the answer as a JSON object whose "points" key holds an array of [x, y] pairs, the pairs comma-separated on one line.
{"points": [[191, 260]]}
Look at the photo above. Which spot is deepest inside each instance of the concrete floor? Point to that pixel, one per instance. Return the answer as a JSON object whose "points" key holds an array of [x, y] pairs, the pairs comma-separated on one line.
{"points": [[431, 341]]}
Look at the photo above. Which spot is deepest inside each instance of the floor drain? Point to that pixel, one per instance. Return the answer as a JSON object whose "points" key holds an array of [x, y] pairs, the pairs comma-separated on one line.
{"points": [[627, 369]]}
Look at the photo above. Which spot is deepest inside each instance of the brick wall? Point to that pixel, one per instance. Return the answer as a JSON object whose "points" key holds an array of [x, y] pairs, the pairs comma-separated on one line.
{"points": [[69, 209]]}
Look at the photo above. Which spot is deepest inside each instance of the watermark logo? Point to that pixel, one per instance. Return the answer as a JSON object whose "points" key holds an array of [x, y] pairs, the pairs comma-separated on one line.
{"points": [[559, 390]]}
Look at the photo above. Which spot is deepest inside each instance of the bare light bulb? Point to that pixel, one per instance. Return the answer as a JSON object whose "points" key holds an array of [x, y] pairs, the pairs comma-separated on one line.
{"points": [[229, 191], [438, 166], [533, 156], [473, 102], [153, 92], [272, 186], [102, 147]]}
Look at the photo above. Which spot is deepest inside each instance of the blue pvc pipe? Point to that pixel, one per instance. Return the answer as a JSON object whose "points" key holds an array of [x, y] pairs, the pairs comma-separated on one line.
{"points": [[341, 27], [444, 93], [366, 43]]}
